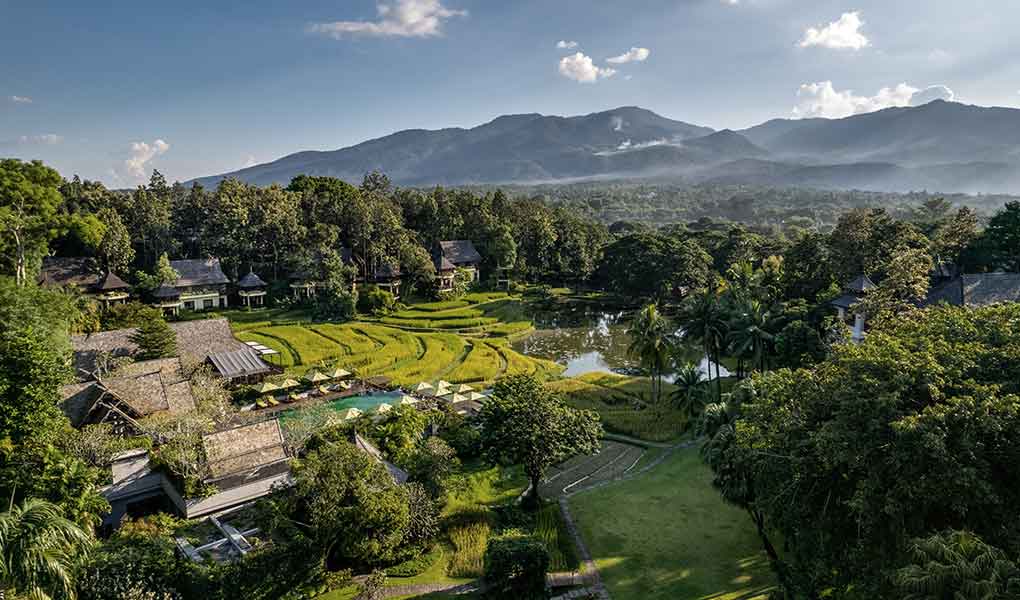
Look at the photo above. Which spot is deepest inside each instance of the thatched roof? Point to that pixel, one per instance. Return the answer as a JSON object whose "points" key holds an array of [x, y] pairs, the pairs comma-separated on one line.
{"points": [[244, 448], [151, 386], [200, 271], [196, 340], [460, 252]]}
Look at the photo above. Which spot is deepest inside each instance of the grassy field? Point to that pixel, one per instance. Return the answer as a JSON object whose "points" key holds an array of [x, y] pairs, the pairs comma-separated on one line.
{"points": [[625, 405], [667, 535]]}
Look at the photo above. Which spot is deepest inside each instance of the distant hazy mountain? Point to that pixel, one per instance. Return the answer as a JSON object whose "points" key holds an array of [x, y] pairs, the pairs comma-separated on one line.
{"points": [[939, 146]]}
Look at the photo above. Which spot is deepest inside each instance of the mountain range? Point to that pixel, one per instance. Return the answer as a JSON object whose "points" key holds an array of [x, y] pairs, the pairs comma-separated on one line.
{"points": [[940, 146]]}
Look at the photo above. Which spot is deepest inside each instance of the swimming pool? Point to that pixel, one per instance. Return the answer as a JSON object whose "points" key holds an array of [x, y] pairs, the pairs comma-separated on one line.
{"points": [[366, 402]]}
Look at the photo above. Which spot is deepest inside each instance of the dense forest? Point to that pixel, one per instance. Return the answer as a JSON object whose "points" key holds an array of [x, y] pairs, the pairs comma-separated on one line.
{"points": [[869, 470]]}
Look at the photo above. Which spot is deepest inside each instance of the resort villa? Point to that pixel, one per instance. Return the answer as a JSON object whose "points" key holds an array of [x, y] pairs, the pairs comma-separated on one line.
{"points": [[453, 255], [84, 275]]}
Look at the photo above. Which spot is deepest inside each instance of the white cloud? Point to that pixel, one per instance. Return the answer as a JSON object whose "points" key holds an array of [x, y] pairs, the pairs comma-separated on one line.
{"points": [[843, 34], [400, 18], [931, 93], [632, 55], [49, 139], [20, 99], [565, 45], [821, 99], [141, 154], [580, 67]]}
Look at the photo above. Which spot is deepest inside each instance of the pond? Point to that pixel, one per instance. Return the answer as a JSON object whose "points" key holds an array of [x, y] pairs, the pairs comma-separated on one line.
{"points": [[590, 341]]}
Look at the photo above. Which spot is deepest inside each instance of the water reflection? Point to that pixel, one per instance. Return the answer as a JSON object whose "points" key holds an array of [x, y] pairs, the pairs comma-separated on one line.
{"points": [[589, 341]]}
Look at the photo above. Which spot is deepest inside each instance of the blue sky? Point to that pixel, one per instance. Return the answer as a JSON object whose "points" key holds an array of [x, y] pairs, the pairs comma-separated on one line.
{"points": [[111, 90]]}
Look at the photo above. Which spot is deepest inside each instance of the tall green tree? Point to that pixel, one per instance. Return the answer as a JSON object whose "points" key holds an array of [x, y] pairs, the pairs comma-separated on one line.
{"points": [[957, 565], [155, 339], [29, 199], [523, 423], [1003, 235], [704, 321], [39, 550], [115, 249], [751, 333], [691, 393], [652, 343]]}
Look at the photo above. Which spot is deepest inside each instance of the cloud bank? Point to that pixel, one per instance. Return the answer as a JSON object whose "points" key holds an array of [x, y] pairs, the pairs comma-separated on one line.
{"points": [[141, 154], [402, 18], [821, 99]]}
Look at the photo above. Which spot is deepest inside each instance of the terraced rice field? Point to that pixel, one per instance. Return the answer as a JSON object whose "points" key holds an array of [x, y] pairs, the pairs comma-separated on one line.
{"points": [[612, 462], [492, 314], [405, 356], [625, 405]]}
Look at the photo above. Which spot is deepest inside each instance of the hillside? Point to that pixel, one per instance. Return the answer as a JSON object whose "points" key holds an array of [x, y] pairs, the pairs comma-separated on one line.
{"points": [[943, 146]]}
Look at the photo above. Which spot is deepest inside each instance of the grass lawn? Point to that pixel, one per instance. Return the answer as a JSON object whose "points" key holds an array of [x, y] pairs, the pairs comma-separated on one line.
{"points": [[667, 535]]}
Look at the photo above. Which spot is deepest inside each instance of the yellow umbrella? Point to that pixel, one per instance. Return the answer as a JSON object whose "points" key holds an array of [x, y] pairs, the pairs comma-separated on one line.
{"points": [[476, 396], [266, 387], [350, 413], [289, 383], [340, 373], [383, 408], [463, 388], [314, 376], [423, 387], [408, 401], [454, 399], [443, 384]]}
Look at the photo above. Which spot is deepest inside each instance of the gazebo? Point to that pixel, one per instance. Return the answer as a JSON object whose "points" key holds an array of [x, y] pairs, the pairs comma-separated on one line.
{"points": [[112, 290], [168, 299], [252, 290]]}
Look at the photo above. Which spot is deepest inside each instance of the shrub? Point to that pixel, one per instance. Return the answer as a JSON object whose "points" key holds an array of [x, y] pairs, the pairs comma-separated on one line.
{"points": [[375, 301], [416, 565], [515, 567], [129, 314]]}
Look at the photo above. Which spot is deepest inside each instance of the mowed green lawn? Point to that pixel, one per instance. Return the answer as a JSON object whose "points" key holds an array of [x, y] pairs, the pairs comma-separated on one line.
{"points": [[668, 535]]}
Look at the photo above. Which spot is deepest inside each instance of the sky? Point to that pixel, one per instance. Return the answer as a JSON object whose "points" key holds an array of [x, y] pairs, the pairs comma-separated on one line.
{"points": [[112, 90]]}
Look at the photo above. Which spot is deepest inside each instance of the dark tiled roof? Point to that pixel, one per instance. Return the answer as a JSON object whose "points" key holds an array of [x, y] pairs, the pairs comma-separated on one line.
{"points": [[78, 271], [251, 280], [991, 288], [846, 300], [201, 271], [861, 284], [238, 363], [443, 263], [244, 448], [166, 291], [386, 272], [460, 252], [111, 282]]}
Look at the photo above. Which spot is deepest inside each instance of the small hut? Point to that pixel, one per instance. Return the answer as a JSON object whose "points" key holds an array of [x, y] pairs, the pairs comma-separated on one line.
{"points": [[252, 290]]}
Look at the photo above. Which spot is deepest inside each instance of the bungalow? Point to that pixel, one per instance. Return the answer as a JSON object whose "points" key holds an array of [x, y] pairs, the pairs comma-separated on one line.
{"points": [[201, 284], [462, 255], [252, 290], [84, 275]]}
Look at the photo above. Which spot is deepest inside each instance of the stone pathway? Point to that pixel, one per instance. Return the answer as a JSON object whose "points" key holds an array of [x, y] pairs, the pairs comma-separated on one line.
{"points": [[595, 589], [397, 591]]}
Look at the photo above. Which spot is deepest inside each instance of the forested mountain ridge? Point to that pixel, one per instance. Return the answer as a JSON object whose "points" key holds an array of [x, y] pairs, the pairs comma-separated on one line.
{"points": [[940, 146]]}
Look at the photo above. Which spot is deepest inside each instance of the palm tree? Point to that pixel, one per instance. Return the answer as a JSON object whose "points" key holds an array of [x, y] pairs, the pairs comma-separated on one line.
{"points": [[39, 549], [749, 334], [652, 344], [691, 392], [957, 564], [703, 319]]}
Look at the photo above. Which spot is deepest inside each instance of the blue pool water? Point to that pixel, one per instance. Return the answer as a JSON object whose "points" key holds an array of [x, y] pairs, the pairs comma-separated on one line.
{"points": [[366, 402]]}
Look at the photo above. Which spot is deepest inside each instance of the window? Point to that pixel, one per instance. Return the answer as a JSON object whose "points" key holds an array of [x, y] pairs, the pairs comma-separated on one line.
{"points": [[206, 304], [189, 305]]}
